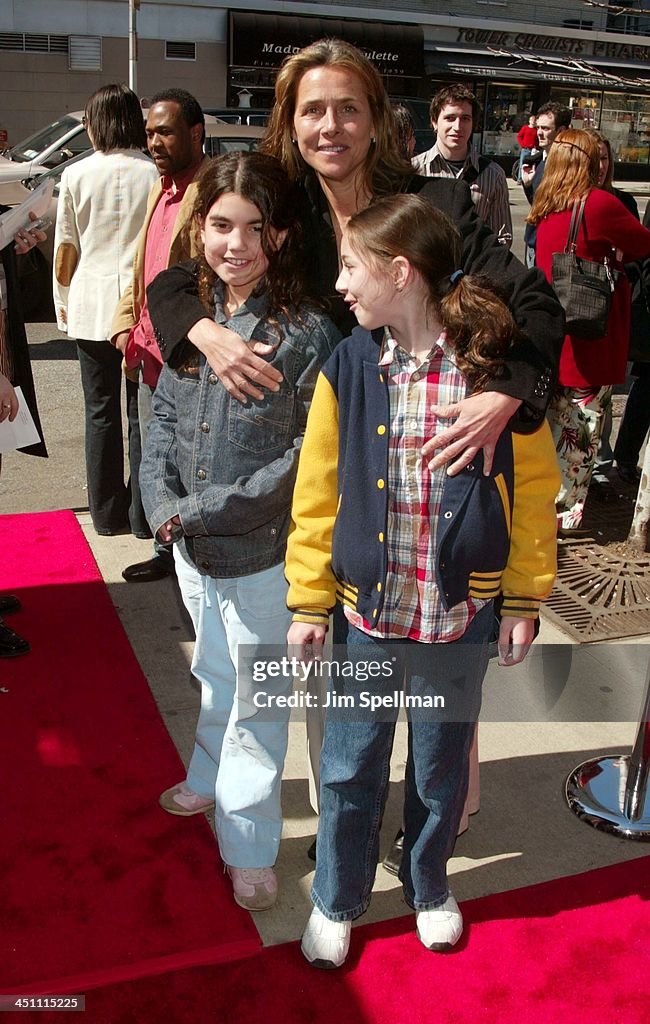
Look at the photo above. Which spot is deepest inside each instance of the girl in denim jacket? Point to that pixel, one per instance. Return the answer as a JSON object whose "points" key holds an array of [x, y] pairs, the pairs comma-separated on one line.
{"points": [[217, 478]]}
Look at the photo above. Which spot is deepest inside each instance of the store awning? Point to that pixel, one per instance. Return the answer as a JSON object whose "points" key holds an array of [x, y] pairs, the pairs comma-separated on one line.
{"points": [[529, 67], [265, 40]]}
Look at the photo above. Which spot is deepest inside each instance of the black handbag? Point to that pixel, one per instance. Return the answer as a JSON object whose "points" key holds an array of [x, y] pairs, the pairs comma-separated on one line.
{"points": [[584, 287]]}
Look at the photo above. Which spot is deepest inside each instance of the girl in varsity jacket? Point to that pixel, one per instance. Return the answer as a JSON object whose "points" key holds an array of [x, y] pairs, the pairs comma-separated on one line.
{"points": [[414, 558]]}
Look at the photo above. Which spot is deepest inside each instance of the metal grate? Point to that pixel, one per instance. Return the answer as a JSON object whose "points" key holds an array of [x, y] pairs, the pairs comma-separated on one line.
{"points": [[180, 51], [30, 43], [601, 593]]}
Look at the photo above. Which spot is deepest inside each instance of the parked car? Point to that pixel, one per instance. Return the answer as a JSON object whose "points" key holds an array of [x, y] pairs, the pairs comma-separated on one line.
{"points": [[47, 147], [228, 138], [35, 268], [255, 116]]}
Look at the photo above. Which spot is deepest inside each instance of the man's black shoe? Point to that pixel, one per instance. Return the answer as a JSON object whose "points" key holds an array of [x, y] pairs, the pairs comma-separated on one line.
{"points": [[146, 572], [311, 852], [11, 645], [393, 859], [8, 604]]}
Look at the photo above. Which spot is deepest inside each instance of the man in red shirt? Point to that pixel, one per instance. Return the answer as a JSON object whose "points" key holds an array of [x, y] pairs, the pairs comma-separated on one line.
{"points": [[175, 132], [527, 139]]}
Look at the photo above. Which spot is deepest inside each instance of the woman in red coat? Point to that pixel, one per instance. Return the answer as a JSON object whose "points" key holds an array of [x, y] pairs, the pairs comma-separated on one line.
{"points": [[588, 368]]}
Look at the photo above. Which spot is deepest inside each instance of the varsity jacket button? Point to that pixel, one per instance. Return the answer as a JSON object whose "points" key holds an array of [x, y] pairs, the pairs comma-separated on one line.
{"points": [[381, 429], [379, 587], [205, 427], [201, 474], [380, 538], [470, 468], [380, 484], [448, 515], [374, 613]]}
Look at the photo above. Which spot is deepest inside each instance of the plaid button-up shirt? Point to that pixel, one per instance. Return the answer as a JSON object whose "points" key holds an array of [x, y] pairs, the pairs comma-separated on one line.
{"points": [[412, 606]]}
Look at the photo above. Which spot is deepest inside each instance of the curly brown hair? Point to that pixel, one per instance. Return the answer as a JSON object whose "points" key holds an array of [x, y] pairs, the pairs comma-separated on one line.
{"points": [[478, 323]]}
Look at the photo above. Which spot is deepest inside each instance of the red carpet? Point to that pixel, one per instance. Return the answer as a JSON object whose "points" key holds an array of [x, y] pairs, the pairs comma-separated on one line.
{"points": [[571, 951], [97, 883]]}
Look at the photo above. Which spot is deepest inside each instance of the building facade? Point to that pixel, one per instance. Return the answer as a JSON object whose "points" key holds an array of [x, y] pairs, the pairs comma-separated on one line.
{"points": [[515, 55]]}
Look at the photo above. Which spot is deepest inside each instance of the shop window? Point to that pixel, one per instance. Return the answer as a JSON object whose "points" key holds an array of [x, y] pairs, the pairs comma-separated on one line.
{"points": [[625, 120], [584, 105], [507, 108]]}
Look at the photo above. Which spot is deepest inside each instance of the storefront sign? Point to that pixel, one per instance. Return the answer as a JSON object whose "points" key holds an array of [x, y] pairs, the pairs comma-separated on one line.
{"points": [[264, 41], [552, 44]]}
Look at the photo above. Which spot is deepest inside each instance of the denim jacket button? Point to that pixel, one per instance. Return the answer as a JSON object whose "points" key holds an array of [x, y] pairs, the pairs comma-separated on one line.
{"points": [[201, 474], [205, 427], [212, 378]]}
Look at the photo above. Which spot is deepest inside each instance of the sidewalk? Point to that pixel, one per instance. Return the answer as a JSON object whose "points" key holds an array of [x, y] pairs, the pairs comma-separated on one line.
{"points": [[524, 832]]}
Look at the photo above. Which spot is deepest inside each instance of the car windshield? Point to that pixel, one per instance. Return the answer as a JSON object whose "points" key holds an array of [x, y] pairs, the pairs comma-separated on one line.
{"points": [[30, 148]]}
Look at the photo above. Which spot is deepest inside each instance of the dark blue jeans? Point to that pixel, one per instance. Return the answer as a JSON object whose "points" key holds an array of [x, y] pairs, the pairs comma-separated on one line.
{"points": [[144, 414], [355, 768], [636, 420]]}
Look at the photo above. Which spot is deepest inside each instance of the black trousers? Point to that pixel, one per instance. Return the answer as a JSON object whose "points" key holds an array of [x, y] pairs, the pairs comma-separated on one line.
{"points": [[113, 503]]}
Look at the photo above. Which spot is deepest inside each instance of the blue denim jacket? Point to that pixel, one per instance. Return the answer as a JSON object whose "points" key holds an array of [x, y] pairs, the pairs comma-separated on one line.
{"points": [[227, 469]]}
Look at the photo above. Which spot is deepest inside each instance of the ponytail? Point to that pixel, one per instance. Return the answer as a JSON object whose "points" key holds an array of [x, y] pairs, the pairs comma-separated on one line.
{"points": [[479, 326]]}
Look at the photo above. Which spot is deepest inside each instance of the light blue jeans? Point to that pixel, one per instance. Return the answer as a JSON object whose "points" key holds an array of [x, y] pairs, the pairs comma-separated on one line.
{"points": [[239, 750], [355, 768]]}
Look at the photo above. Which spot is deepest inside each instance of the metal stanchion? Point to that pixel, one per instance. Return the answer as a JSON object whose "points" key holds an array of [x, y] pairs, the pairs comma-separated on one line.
{"points": [[612, 793]]}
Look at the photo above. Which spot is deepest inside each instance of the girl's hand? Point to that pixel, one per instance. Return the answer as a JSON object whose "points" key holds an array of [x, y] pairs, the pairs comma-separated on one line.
{"points": [[515, 637], [170, 531], [305, 641], [237, 366], [8, 400], [480, 422]]}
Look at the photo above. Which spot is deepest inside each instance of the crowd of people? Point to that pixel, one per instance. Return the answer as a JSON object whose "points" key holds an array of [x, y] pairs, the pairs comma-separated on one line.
{"points": [[351, 410]]}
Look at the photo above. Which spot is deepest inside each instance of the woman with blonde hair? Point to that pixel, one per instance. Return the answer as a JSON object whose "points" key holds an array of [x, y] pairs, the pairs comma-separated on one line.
{"points": [[588, 368]]}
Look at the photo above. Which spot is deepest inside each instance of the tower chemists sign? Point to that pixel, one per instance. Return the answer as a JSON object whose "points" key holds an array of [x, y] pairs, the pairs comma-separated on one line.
{"points": [[554, 44], [264, 41]]}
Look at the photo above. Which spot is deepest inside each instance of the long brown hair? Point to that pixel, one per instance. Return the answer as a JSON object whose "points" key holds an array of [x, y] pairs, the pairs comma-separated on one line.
{"points": [[478, 324], [385, 168], [571, 172]]}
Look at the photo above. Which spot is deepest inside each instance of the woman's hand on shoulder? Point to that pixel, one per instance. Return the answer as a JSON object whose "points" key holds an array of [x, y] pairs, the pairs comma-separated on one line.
{"points": [[478, 424], [515, 638], [239, 367], [305, 641]]}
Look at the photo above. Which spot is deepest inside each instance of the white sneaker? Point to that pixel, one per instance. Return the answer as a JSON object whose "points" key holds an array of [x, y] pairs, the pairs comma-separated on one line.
{"points": [[440, 929], [325, 943]]}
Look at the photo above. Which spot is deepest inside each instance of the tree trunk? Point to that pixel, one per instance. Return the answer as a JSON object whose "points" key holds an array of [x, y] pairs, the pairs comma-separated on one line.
{"points": [[638, 535]]}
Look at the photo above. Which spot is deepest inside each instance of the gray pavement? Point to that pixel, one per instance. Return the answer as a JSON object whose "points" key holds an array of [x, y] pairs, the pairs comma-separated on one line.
{"points": [[524, 833]]}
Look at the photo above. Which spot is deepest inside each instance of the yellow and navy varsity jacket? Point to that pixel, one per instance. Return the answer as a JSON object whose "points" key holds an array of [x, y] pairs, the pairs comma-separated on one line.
{"points": [[497, 535]]}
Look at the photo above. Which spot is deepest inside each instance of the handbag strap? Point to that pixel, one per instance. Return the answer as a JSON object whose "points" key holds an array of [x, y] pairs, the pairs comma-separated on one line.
{"points": [[577, 212]]}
